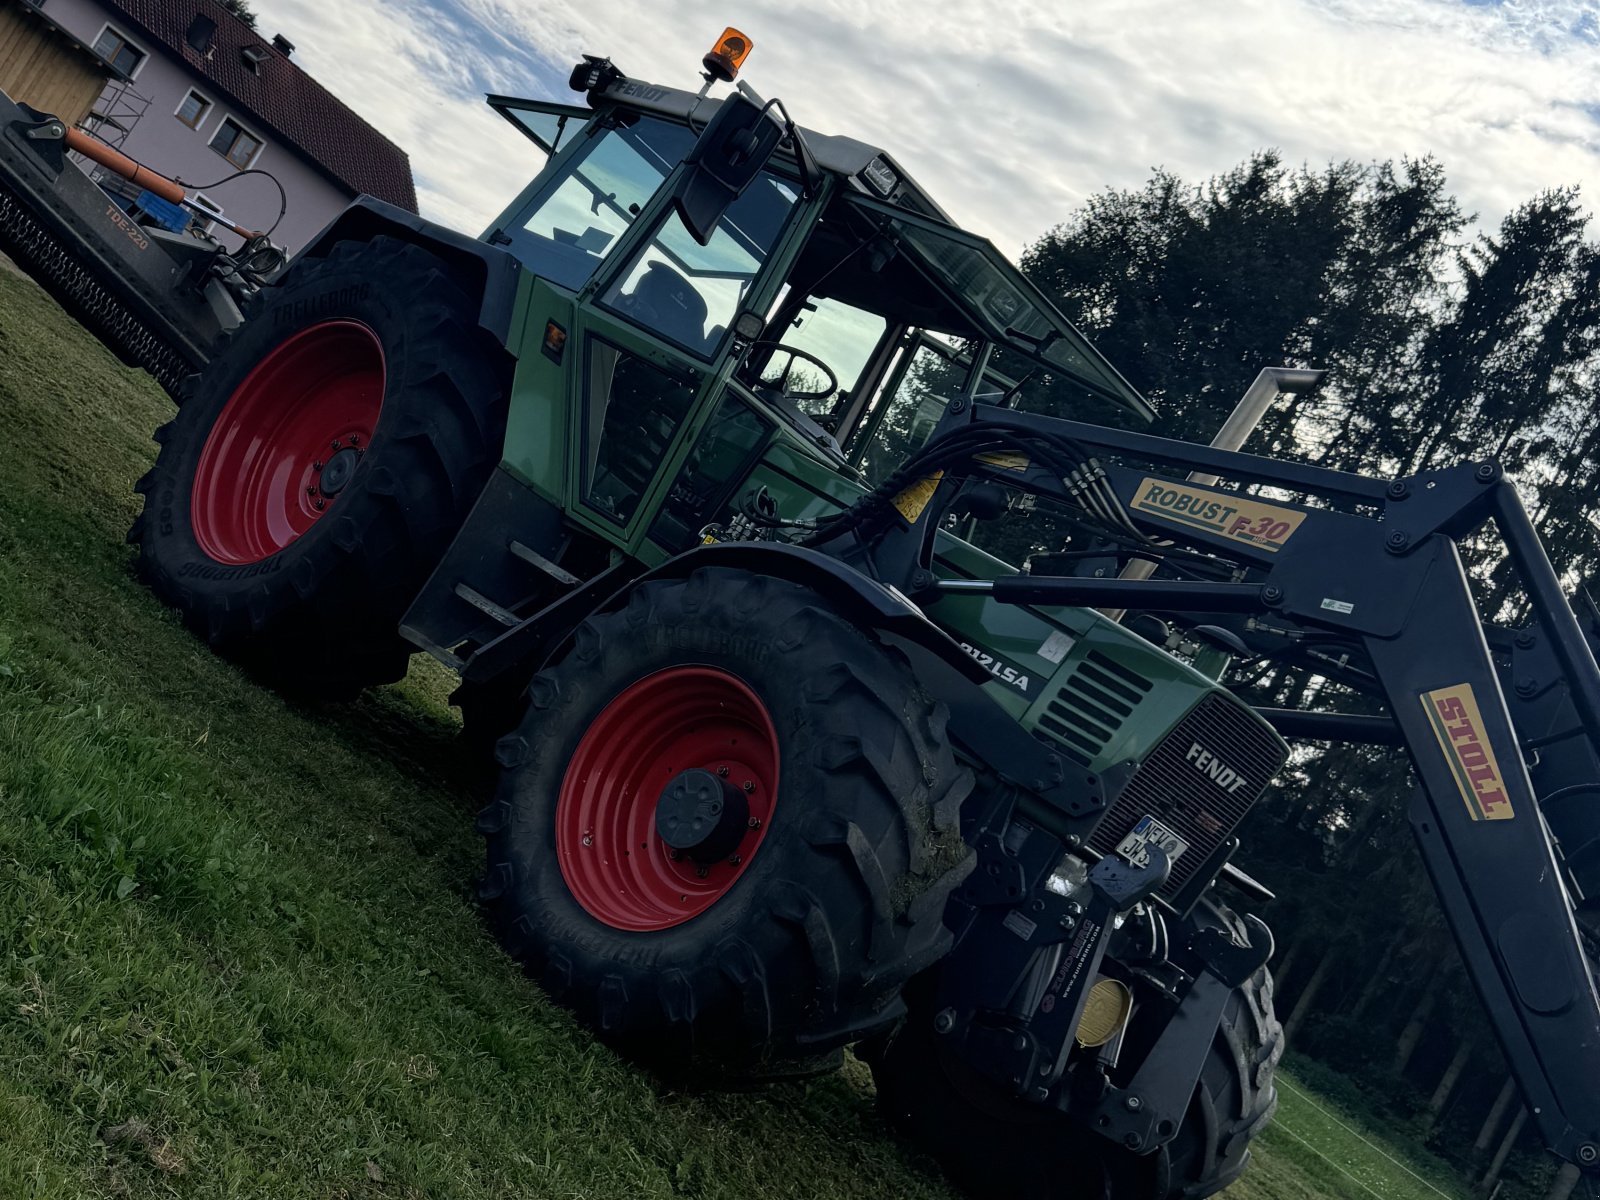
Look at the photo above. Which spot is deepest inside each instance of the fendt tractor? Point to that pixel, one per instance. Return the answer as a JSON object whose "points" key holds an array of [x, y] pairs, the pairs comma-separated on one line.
{"points": [[685, 466]]}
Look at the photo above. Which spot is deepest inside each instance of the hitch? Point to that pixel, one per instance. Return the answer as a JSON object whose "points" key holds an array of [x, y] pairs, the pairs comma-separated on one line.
{"points": [[1148, 1111], [1013, 993]]}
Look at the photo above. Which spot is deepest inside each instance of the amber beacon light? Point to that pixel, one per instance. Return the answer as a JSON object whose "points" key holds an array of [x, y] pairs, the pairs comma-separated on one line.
{"points": [[728, 55]]}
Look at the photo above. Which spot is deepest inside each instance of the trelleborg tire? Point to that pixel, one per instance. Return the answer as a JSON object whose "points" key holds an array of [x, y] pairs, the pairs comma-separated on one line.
{"points": [[816, 886], [998, 1147], [321, 465]]}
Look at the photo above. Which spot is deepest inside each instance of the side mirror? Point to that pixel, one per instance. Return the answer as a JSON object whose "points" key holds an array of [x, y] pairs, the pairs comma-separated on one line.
{"points": [[737, 143]]}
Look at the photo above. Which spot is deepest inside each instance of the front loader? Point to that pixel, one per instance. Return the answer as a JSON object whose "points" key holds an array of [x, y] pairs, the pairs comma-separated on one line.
{"points": [[684, 466]]}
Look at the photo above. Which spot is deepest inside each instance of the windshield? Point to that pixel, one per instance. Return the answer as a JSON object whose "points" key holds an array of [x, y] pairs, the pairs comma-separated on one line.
{"points": [[689, 293], [565, 232]]}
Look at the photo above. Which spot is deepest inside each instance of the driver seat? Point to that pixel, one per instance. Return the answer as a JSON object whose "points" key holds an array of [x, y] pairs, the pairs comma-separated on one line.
{"points": [[666, 302]]}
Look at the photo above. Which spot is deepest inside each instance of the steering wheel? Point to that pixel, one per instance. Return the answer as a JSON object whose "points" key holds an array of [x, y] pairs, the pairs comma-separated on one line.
{"points": [[795, 355]]}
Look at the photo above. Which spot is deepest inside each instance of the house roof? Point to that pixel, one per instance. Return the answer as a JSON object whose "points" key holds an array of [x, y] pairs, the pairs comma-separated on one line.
{"points": [[297, 108]]}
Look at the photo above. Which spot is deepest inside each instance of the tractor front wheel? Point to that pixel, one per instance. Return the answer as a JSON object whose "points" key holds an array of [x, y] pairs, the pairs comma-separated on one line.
{"points": [[1001, 1148], [726, 828], [321, 464]]}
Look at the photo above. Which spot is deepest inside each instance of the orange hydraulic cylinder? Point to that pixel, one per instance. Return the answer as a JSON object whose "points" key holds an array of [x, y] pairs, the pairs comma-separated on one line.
{"points": [[120, 164]]}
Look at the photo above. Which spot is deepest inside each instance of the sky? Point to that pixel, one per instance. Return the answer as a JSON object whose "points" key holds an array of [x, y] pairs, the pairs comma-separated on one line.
{"points": [[1011, 115]]}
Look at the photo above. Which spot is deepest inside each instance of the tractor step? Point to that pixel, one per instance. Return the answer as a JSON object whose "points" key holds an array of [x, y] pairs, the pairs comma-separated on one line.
{"points": [[500, 567]]}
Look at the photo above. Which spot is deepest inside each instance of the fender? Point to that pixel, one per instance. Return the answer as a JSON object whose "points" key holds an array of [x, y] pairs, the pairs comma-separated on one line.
{"points": [[488, 272], [975, 720], [539, 638]]}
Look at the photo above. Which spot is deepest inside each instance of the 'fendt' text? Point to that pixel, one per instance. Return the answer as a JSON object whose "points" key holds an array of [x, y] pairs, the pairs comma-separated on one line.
{"points": [[1224, 776]]}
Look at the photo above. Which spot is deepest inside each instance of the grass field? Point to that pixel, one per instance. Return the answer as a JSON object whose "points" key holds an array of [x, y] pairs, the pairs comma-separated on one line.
{"points": [[238, 950]]}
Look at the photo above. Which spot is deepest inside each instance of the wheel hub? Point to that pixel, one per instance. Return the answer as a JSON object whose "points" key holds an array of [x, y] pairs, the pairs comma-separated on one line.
{"points": [[336, 473], [700, 814]]}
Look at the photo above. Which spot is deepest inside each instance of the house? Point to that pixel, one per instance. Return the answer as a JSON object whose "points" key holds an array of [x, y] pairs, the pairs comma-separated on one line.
{"points": [[198, 94]]}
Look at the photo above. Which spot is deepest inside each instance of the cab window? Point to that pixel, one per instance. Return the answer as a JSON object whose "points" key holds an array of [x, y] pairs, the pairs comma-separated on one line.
{"points": [[903, 419], [687, 293], [829, 332], [565, 232], [634, 409]]}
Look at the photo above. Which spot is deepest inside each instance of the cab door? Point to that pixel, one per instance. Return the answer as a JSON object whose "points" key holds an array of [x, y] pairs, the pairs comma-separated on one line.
{"points": [[654, 335]]}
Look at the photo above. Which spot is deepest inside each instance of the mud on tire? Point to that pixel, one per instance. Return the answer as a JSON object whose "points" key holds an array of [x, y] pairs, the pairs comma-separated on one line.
{"points": [[843, 899], [318, 614]]}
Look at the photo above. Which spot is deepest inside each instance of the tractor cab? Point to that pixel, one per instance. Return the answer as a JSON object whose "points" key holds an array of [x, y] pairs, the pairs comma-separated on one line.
{"points": [[819, 310]]}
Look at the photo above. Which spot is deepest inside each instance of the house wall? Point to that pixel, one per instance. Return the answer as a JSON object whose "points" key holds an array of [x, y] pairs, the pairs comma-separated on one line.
{"points": [[165, 144], [40, 67]]}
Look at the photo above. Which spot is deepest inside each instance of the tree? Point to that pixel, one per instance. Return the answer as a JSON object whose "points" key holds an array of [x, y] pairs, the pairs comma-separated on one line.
{"points": [[240, 9]]}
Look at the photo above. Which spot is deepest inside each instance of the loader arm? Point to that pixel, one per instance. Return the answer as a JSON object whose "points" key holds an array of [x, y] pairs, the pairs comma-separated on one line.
{"points": [[1375, 569]]}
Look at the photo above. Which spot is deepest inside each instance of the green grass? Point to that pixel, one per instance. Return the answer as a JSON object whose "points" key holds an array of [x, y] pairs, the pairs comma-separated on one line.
{"points": [[238, 950]]}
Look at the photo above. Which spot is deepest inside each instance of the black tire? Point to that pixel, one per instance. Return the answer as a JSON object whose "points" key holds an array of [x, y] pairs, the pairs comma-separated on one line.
{"points": [[1236, 1096], [319, 616], [840, 904], [1001, 1148]]}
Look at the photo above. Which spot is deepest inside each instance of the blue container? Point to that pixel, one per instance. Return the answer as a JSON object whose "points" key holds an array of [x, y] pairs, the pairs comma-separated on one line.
{"points": [[163, 212]]}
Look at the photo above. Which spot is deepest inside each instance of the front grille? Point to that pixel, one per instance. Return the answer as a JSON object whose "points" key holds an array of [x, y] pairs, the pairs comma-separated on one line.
{"points": [[1196, 804], [1092, 705], [59, 272]]}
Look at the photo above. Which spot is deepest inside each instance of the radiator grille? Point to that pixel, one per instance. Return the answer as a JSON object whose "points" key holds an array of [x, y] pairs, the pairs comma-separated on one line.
{"points": [[1092, 705], [53, 266], [1197, 805]]}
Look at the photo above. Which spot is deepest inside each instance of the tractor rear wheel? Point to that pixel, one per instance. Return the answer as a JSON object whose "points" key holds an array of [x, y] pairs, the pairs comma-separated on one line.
{"points": [[322, 463], [998, 1147], [726, 828]]}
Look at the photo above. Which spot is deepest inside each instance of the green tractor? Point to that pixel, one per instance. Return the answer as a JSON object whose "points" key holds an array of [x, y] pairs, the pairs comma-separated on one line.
{"points": [[682, 467]]}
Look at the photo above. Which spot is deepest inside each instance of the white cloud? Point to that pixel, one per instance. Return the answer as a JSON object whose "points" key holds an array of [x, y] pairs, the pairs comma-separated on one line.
{"points": [[1010, 118]]}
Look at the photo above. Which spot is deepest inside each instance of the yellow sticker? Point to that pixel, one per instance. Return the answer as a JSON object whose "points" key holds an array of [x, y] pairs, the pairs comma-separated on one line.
{"points": [[1457, 723], [915, 498], [1238, 517], [1003, 459]]}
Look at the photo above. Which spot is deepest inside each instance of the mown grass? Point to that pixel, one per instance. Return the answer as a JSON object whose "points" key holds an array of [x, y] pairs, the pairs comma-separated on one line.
{"points": [[238, 950]]}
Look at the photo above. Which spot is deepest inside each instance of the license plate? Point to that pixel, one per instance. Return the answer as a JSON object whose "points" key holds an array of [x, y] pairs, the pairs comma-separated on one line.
{"points": [[1135, 848]]}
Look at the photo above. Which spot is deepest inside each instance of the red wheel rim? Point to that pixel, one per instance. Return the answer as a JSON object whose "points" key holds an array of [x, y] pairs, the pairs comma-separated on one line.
{"points": [[613, 860], [286, 442]]}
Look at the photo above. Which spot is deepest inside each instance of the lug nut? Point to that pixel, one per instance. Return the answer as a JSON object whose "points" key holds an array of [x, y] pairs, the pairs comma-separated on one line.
{"points": [[319, 504], [675, 855], [355, 438], [318, 465], [588, 839], [735, 861], [945, 1021], [722, 772], [337, 444], [311, 489], [748, 786], [702, 872], [754, 823]]}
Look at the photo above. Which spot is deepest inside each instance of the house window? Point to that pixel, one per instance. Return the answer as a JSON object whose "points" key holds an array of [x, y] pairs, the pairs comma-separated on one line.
{"points": [[236, 144], [206, 202], [117, 50], [202, 34], [192, 112]]}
